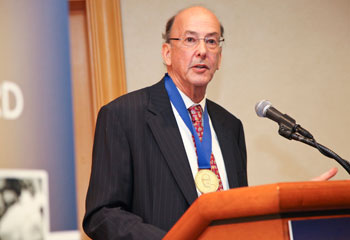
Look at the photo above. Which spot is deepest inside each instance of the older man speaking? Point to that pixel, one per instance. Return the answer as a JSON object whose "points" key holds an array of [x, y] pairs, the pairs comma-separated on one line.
{"points": [[157, 149]]}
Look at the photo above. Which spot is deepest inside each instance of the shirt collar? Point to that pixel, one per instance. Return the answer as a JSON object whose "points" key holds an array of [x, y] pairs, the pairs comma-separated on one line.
{"points": [[189, 103]]}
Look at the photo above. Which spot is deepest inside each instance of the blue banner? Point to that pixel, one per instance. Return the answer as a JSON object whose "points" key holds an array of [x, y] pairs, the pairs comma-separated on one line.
{"points": [[36, 123]]}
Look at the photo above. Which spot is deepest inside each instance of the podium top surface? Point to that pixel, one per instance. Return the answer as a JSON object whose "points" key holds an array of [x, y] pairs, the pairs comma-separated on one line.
{"points": [[271, 199], [274, 199]]}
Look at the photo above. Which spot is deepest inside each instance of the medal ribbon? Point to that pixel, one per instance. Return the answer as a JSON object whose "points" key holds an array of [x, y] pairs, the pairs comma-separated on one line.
{"points": [[204, 146]]}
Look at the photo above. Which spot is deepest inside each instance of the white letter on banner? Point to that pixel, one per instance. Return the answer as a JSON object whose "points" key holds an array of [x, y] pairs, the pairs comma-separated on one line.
{"points": [[5, 89]]}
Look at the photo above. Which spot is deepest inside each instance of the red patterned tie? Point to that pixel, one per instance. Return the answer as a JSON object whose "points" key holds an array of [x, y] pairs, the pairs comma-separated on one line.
{"points": [[196, 116]]}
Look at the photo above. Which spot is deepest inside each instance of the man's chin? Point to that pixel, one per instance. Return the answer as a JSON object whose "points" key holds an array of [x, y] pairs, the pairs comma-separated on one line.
{"points": [[200, 81]]}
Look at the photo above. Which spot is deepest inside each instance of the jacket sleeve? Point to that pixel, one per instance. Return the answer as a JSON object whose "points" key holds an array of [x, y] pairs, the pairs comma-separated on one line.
{"points": [[109, 197]]}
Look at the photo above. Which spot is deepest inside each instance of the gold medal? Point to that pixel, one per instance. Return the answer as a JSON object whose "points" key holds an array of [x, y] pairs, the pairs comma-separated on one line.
{"points": [[206, 181]]}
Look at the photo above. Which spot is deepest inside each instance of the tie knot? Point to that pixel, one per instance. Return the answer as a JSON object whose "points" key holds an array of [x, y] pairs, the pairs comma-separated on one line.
{"points": [[196, 113]]}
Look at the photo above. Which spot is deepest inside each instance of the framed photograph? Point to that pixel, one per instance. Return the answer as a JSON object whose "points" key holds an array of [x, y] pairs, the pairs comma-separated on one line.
{"points": [[24, 210]]}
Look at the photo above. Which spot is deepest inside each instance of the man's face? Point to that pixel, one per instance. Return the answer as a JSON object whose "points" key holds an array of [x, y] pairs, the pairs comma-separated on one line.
{"points": [[192, 67]]}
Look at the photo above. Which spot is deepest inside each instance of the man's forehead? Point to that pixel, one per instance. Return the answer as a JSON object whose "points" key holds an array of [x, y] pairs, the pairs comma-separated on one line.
{"points": [[197, 20]]}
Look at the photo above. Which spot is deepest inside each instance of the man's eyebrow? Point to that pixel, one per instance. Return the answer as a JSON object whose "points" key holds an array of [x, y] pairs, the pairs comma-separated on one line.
{"points": [[212, 34], [191, 32], [195, 33]]}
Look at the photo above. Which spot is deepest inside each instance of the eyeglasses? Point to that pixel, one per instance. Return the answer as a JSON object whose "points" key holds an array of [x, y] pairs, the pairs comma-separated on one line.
{"points": [[210, 42]]}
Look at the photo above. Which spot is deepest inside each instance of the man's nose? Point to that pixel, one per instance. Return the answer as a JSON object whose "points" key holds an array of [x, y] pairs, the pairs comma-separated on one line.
{"points": [[202, 48]]}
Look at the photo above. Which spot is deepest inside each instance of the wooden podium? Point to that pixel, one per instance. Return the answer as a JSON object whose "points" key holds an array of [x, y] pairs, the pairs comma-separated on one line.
{"points": [[261, 212]]}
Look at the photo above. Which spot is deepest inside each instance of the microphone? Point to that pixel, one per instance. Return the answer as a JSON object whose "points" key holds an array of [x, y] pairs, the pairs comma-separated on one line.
{"points": [[288, 125], [289, 129]]}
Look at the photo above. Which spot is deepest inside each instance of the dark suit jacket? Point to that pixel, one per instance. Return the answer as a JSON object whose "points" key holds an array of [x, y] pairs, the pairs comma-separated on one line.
{"points": [[141, 182]]}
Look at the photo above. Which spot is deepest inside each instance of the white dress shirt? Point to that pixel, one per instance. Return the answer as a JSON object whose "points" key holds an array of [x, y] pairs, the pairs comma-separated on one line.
{"points": [[186, 136]]}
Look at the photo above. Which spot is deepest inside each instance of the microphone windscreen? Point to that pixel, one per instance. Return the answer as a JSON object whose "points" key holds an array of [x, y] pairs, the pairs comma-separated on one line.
{"points": [[261, 108]]}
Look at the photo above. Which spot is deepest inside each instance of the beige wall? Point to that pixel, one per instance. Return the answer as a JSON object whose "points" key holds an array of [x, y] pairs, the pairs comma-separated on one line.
{"points": [[296, 53]]}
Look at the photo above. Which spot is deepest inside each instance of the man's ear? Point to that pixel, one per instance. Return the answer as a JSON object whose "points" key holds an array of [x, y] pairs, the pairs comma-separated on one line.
{"points": [[166, 53]]}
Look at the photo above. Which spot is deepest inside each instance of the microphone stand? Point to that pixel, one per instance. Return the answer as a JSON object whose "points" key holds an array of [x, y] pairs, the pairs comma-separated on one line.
{"points": [[290, 134]]}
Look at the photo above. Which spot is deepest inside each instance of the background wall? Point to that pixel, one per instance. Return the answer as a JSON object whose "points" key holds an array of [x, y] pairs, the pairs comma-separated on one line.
{"points": [[294, 53]]}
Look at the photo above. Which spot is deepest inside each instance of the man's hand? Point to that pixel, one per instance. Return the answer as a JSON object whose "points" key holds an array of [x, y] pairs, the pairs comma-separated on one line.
{"points": [[327, 175]]}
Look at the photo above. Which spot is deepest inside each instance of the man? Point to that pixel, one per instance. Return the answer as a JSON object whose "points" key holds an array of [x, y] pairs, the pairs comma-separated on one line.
{"points": [[145, 158]]}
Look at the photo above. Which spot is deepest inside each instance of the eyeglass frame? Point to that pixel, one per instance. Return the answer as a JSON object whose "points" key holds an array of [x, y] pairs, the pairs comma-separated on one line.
{"points": [[220, 41]]}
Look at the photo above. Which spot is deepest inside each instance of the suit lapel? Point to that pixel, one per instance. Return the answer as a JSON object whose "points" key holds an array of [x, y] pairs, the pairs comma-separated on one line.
{"points": [[163, 125], [226, 141]]}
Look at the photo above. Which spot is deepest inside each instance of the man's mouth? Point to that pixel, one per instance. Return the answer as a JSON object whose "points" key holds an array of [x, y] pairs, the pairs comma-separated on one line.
{"points": [[200, 66]]}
